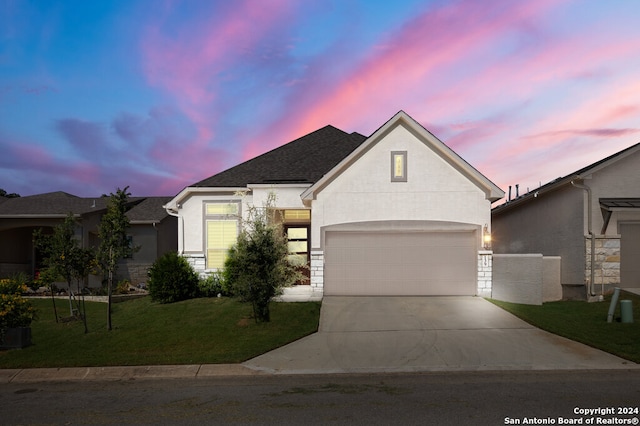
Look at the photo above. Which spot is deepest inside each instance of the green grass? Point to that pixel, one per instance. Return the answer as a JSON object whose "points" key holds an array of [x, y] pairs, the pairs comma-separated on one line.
{"points": [[586, 323], [211, 331]]}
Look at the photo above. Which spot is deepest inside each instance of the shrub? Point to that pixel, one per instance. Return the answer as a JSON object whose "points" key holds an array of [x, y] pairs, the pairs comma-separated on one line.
{"points": [[15, 310], [172, 279], [123, 287], [212, 286]]}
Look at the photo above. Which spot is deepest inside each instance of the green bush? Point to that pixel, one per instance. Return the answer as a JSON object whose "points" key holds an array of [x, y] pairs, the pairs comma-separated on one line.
{"points": [[212, 286], [172, 279]]}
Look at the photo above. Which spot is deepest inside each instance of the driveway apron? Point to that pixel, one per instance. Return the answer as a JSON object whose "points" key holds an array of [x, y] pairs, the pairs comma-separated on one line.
{"points": [[401, 334]]}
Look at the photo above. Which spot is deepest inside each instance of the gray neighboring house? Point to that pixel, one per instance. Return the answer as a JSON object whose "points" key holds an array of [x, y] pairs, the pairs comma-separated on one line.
{"points": [[590, 217], [151, 228]]}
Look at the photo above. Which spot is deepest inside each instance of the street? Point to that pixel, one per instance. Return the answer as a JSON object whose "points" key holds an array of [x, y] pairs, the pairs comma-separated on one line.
{"points": [[442, 398]]}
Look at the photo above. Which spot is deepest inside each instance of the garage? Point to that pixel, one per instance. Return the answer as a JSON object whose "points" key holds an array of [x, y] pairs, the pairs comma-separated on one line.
{"points": [[379, 263], [630, 255]]}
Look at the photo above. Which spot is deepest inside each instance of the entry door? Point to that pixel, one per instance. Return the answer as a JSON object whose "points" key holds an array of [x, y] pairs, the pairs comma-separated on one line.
{"points": [[298, 246]]}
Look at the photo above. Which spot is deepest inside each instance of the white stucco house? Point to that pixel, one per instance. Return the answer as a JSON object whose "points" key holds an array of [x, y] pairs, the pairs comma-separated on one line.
{"points": [[395, 213]]}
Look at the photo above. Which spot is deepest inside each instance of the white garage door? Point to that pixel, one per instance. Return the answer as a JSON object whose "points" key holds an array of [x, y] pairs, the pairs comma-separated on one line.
{"points": [[400, 263]]}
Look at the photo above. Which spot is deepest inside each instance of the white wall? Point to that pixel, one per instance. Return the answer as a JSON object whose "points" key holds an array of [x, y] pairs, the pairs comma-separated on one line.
{"points": [[435, 190], [191, 232]]}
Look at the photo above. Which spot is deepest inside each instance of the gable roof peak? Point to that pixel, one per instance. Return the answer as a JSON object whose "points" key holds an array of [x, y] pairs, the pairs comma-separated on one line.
{"points": [[491, 191]]}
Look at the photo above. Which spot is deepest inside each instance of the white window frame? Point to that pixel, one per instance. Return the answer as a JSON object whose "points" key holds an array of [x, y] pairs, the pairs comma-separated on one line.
{"points": [[221, 217]]}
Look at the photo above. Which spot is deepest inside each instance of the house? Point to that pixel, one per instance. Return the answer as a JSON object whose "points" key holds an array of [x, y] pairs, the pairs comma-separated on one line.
{"points": [[395, 213], [151, 228], [590, 218]]}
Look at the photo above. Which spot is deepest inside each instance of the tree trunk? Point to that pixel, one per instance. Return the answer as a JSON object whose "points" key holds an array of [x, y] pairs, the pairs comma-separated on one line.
{"points": [[53, 300], [109, 287]]}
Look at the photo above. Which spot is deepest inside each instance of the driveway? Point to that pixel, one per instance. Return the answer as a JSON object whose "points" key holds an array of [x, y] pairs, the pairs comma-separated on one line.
{"points": [[400, 334]]}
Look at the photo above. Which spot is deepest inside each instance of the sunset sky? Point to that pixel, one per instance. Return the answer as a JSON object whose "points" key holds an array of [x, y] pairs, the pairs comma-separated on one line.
{"points": [[157, 95]]}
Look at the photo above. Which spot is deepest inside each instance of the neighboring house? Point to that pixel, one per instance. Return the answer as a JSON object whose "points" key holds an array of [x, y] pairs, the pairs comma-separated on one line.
{"points": [[397, 213], [151, 228], [589, 217]]}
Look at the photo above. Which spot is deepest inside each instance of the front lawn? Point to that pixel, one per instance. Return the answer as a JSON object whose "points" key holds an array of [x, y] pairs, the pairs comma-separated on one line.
{"points": [[586, 323], [198, 331]]}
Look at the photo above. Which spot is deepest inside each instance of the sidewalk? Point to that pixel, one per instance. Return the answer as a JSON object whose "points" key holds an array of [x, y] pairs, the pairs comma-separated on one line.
{"points": [[33, 375]]}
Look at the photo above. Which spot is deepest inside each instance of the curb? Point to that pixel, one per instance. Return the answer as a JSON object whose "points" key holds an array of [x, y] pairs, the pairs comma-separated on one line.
{"points": [[33, 375]]}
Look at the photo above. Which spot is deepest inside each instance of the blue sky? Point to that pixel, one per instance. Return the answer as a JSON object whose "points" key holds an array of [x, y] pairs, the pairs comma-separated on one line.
{"points": [[157, 95]]}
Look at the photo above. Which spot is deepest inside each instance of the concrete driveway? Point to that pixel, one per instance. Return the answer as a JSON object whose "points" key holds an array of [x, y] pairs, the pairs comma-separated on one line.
{"points": [[400, 334]]}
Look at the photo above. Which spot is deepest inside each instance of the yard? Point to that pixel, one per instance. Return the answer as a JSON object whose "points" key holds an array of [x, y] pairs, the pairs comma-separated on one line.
{"points": [[198, 331], [220, 330], [586, 323]]}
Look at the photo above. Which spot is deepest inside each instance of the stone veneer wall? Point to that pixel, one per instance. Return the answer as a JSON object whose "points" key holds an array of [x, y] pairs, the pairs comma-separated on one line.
{"points": [[485, 272], [607, 261], [317, 270], [198, 262], [136, 273]]}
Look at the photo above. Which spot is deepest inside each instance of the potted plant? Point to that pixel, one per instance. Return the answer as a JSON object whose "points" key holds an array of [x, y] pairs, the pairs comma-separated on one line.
{"points": [[16, 314]]}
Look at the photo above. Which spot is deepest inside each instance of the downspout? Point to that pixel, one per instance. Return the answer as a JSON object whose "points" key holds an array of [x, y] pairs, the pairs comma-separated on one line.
{"points": [[591, 234], [181, 225]]}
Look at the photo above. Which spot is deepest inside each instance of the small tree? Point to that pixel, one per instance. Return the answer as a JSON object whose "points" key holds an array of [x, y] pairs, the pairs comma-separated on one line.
{"points": [[257, 267], [63, 257], [114, 244]]}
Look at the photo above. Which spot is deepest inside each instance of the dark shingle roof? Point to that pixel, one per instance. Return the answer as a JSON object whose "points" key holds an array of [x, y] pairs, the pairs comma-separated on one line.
{"points": [[149, 210], [304, 160], [58, 204], [50, 204]]}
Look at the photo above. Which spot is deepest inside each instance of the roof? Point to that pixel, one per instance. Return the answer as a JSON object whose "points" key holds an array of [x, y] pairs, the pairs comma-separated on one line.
{"points": [[492, 191], [566, 180], [148, 210], [304, 160], [60, 204], [52, 204]]}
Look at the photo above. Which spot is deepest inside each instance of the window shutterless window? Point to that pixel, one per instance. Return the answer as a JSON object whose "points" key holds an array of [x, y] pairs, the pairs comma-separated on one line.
{"points": [[398, 166], [222, 225]]}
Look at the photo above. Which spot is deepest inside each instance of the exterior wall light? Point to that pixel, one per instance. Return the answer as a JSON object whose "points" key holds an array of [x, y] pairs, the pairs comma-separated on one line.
{"points": [[486, 237]]}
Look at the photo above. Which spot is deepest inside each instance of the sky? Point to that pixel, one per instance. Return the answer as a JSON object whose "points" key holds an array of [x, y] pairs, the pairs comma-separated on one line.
{"points": [[157, 95]]}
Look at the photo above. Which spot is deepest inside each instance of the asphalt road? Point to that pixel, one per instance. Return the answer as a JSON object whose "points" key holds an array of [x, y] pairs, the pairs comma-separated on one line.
{"points": [[462, 398]]}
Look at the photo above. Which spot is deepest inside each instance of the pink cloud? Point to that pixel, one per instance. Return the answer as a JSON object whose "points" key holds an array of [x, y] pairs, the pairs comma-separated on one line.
{"points": [[191, 65], [436, 41], [401, 72]]}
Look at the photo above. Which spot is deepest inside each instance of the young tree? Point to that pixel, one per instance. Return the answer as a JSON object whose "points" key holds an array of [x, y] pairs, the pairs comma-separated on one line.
{"points": [[114, 244], [63, 257], [257, 267]]}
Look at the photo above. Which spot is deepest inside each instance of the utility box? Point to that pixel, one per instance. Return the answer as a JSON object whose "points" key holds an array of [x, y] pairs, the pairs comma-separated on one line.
{"points": [[626, 311]]}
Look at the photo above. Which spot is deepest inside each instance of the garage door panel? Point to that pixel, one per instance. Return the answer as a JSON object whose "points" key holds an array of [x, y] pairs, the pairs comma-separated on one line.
{"points": [[400, 263], [630, 255]]}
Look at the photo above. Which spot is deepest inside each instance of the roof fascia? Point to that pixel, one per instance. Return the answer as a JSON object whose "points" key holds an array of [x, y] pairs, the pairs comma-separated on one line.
{"points": [[277, 185], [492, 191], [173, 204], [549, 187], [596, 167]]}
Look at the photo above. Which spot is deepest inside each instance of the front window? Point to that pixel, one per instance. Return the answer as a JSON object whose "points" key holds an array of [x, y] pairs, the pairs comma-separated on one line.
{"points": [[398, 166], [222, 224]]}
